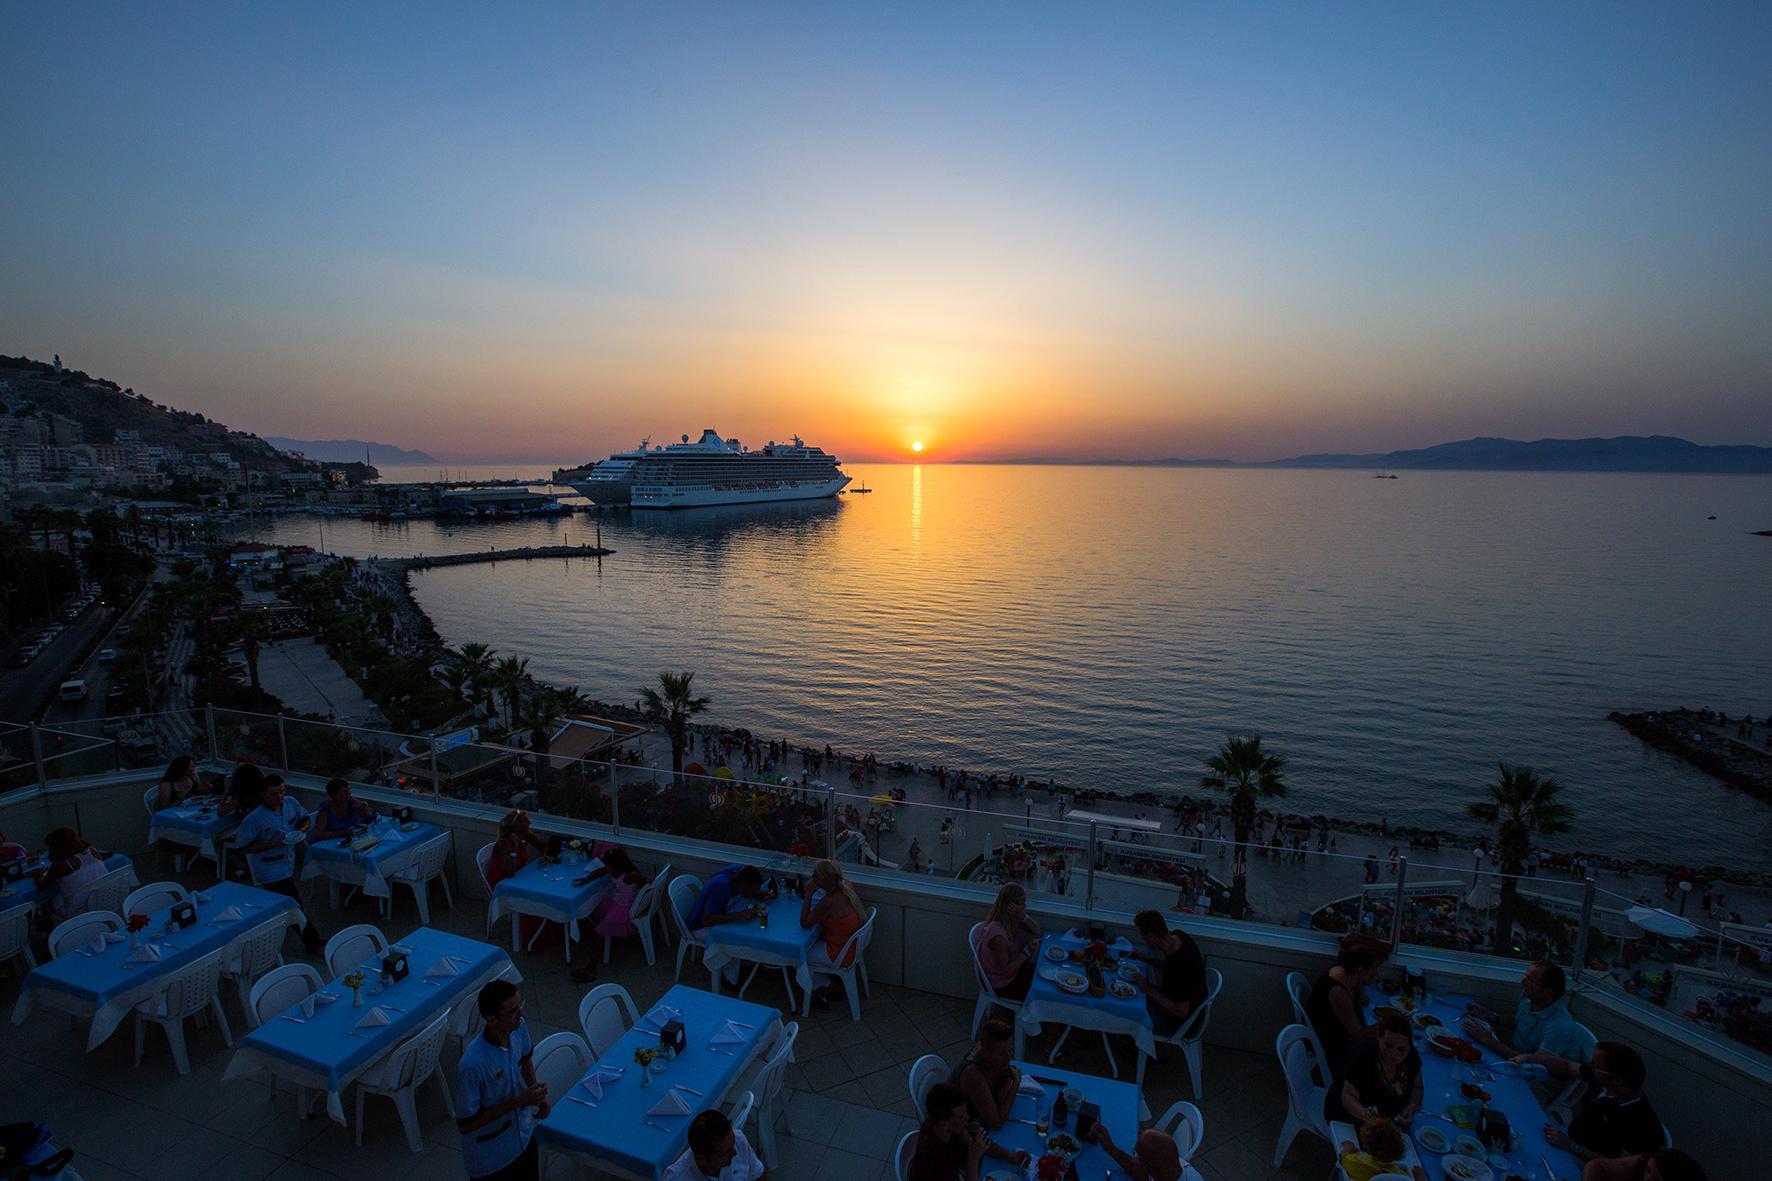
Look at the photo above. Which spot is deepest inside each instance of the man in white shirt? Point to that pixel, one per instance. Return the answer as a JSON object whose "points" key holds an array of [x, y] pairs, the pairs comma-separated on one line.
{"points": [[264, 837], [497, 1096], [717, 1152]]}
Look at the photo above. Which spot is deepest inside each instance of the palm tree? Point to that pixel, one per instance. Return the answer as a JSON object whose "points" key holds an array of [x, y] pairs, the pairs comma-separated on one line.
{"points": [[479, 662], [671, 705], [455, 678], [508, 676], [1521, 806], [1242, 768]]}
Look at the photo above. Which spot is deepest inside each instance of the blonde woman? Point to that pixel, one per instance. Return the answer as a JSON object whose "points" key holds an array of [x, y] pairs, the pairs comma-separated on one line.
{"points": [[517, 838], [829, 902], [1008, 942]]}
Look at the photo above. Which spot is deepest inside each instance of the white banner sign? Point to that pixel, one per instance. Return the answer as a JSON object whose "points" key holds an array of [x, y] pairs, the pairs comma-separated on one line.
{"points": [[1758, 938], [1415, 890]]}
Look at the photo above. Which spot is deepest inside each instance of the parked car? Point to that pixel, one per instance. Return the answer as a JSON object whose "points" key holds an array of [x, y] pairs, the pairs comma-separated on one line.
{"points": [[74, 690], [106, 655]]}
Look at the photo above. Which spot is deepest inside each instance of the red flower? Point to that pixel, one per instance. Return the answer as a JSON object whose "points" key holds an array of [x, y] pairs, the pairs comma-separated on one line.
{"points": [[1049, 1167], [137, 922], [799, 850]]}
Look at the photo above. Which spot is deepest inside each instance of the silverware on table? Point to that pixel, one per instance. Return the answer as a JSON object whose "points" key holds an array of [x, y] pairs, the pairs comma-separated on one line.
{"points": [[297, 1020], [576, 1099], [691, 1090]]}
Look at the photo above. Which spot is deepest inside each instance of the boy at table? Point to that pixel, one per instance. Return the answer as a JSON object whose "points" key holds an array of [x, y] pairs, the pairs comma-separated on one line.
{"points": [[1616, 1118], [1154, 1155], [264, 838], [497, 1096], [1181, 972], [949, 1146], [717, 1152]]}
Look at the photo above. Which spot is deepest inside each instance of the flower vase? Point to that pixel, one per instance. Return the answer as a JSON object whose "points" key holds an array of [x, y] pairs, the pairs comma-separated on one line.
{"points": [[645, 1078], [356, 998], [135, 939]]}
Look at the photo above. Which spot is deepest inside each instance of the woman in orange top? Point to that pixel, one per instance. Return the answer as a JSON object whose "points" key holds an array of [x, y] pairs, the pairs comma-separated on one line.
{"points": [[829, 902]]}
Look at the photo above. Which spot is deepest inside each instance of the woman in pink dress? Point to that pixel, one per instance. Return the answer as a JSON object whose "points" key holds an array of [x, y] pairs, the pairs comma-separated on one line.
{"points": [[613, 918]]}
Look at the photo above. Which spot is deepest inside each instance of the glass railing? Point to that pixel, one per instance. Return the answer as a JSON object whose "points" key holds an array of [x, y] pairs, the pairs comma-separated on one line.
{"points": [[1179, 856]]}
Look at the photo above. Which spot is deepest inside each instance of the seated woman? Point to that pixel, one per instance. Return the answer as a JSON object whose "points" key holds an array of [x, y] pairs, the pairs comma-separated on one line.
{"points": [[517, 842], [179, 783], [613, 915], [829, 902], [73, 865], [341, 812], [1381, 1076], [244, 788], [1337, 1001], [1008, 942]]}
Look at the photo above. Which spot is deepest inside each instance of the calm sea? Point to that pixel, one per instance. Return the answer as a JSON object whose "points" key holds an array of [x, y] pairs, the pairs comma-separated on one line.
{"points": [[1393, 638]]}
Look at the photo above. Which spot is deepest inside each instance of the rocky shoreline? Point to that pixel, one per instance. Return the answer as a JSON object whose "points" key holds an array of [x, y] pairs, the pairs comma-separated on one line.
{"points": [[1714, 743]]}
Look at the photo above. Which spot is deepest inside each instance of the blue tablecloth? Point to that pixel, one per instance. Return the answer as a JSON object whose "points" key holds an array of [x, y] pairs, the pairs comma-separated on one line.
{"points": [[107, 983], [1510, 1095], [192, 824], [327, 1049], [783, 943], [617, 1130], [1109, 1013], [1119, 1112], [26, 892], [333, 857], [547, 891]]}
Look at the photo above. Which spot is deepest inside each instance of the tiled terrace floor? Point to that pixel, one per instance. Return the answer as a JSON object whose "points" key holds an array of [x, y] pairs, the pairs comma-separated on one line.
{"points": [[847, 1102]]}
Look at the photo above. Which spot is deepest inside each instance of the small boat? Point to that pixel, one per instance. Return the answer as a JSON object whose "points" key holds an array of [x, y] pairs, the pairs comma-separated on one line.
{"points": [[860, 487]]}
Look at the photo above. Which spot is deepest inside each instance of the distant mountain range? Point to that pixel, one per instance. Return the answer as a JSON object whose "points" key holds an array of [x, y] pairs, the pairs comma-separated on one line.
{"points": [[346, 450], [1626, 453]]}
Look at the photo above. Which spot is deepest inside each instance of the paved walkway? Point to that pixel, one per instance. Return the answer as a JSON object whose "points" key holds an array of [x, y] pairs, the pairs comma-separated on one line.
{"points": [[310, 681]]}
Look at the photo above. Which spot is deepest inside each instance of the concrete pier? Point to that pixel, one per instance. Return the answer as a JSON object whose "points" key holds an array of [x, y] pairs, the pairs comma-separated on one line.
{"points": [[526, 553]]}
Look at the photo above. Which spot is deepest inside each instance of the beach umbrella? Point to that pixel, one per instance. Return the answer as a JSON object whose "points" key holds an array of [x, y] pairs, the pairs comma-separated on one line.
{"points": [[723, 773], [694, 769], [1658, 922], [882, 801]]}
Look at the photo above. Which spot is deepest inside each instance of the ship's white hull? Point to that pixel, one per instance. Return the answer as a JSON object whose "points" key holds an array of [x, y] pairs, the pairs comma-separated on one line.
{"points": [[603, 491], [750, 492]]}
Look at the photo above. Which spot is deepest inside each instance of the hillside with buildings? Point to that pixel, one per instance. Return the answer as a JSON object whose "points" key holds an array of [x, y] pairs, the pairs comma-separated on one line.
{"points": [[64, 433]]}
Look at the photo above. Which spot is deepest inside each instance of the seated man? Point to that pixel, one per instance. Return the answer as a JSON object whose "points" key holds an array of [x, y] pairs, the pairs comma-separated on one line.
{"points": [[987, 1077], [1666, 1164], [717, 1152], [949, 1145], [1180, 984], [263, 838], [1154, 1155], [714, 905], [1541, 1022], [1615, 1118]]}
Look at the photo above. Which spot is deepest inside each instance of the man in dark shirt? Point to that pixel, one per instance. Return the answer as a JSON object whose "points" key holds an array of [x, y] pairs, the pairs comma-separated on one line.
{"points": [[949, 1145], [1616, 1118], [1181, 972]]}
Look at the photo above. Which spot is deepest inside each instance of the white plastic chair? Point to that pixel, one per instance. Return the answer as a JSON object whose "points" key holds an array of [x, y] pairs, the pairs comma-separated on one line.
{"points": [[682, 891], [192, 991], [738, 1110], [1191, 1037], [400, 1075], [482, 866], [352, 947], [1185, 1125], [15, 936], [83, 930], [427, 866], [279, 990], [855, 976], [154, 896], [1298, 990], [925, 1073], [561, 1059], [987, 996], [1296, 1047], [606, 1013], [106, 893], [766, 1084], [643, 911], [253, 956], [901, 1156]]}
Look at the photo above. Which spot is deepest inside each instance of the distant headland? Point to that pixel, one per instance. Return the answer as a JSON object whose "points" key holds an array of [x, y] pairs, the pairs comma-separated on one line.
{"points": [[1625, 453], [347, 450]]}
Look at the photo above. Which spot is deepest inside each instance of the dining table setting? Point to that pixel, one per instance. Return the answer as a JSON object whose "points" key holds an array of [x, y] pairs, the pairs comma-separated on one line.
{"points": [[1461, 1080], [1061, 993], [1055, 1144], [775, 939], [548, 888], [629, 1113], [119, 970], [24, 891], [327, 1040], [197, 822]]}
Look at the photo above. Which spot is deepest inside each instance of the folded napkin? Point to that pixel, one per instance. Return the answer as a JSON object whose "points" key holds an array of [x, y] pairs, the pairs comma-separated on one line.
{"points": [[113, 937], [147, 953], [375, 1017], [444, 967], [672, 1103], [325, 998], [660, 1014], [307, 1006], [593, 1082], [1030, 1088], [729, 1035], [200, 896], [230, 915]]}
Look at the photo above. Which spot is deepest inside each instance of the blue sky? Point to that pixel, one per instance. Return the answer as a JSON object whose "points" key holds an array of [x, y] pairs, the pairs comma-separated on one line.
{"points": [[1241, 230]]}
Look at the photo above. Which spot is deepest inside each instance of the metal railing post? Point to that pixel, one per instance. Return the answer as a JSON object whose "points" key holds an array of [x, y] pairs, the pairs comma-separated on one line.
{"points": [[1089, 883], [1587, 921], [209, 724], [436, 780], [614, 798], [283, 744], [831, 827], [37, 757], [1397, 904]]}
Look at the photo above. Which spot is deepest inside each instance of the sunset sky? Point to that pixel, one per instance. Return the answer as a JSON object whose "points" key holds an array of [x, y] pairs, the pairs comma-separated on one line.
{"points": [[1005, 230]]}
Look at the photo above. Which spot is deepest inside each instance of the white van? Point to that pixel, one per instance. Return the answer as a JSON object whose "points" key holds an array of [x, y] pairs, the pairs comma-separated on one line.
{"points": [[73, 690]]}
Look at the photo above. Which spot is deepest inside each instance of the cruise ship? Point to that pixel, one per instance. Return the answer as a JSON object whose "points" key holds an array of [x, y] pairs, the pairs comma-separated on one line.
{"points": [[710, 471]]}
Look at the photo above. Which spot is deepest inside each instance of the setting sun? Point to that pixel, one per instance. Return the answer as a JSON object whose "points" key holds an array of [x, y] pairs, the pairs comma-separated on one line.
{"points": [[917, 446]]}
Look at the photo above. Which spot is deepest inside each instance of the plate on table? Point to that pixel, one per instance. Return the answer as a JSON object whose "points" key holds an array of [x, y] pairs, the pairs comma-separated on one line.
{"points": [[1049, 971], [1071, 981], [1129, 970], [1432, 1139], [1425, 1021], [1383, 1011], [1466, 1168], [1469, 1146], [1122, 990], [409, 826], [1055, 953]]}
